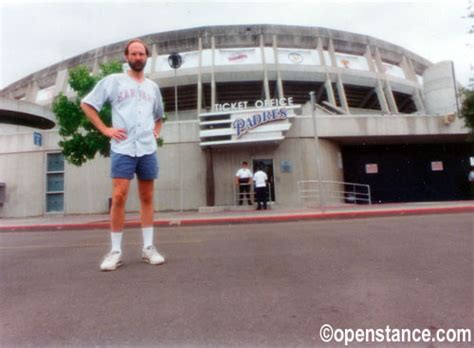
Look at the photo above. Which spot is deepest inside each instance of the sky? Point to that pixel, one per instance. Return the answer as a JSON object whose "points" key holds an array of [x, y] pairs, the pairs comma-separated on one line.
{"points": [[37, 34]]}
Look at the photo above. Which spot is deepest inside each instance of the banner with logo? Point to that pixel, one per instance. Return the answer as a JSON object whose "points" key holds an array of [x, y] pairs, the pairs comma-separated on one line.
{"points": [[238, 56], [393, 70], [298, 57], [349, 61]]}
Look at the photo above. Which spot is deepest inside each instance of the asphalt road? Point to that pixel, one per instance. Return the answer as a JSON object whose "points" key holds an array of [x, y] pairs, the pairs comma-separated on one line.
{"points": [[239, 285]]}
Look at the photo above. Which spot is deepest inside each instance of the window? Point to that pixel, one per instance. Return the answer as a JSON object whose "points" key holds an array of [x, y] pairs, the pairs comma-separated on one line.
{"points": [[54, 182]]}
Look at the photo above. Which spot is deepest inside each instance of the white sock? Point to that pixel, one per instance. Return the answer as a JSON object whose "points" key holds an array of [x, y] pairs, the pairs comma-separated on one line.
{"points": [[116, 238], [147, 236]]}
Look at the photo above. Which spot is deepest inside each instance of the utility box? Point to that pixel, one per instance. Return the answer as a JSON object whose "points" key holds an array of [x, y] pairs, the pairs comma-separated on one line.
{"points": [[3, 193]]}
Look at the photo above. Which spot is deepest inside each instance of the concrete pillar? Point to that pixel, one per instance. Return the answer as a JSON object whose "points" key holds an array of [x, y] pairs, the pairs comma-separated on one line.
{"points": [[320, 49], [381, 96], [332, 54], [342, 93], [199, 83], [378, 61], [390, 98], [32, 91], [266, 85], [439, 89], [418, 100], [60, 85], [154, 58], [213, 77], [280, 92], [370, 59], [407, 70], [329, 90]]}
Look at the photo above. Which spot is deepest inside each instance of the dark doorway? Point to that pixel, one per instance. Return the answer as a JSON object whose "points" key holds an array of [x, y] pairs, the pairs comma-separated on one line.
{"points": [[411, 172], [267, 166]]}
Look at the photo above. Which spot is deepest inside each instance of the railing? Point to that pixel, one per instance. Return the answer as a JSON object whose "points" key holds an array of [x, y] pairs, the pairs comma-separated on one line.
{"points": [[327, 191], [237, 194]]}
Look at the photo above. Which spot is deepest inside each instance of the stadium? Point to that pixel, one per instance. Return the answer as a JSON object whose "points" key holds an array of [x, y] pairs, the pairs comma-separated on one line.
{"points": [[380, 116]]}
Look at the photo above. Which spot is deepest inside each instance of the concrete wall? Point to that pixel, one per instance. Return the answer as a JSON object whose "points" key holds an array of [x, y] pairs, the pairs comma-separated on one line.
{"points": [[439, 88], [87, 189]]}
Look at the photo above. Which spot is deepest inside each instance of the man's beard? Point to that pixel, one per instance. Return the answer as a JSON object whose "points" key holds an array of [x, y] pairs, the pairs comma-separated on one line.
{"points": [[137, 66]]}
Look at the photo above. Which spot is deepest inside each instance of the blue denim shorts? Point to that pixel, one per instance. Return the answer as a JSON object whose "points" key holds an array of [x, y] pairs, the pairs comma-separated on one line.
{"points": [[124, 167]]}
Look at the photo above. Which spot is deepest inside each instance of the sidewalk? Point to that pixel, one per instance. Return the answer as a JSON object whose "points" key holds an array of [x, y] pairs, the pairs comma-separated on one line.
{"points": [[101, 221]]}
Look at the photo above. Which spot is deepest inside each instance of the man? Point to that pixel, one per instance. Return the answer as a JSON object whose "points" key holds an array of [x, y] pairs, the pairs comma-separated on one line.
{"points": [[137, 111], [471, 182], [260, 178], [243, 178]]}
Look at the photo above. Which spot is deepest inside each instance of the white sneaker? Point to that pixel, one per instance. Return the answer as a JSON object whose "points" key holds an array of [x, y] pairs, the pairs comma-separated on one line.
{"points": [[151, 256], [111, 261]]}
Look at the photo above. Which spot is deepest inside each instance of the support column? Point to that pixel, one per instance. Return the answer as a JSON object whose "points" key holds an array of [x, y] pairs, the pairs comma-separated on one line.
{"points": [[266, 85], [199, 83], [378, 61], [370, 59], [381, 96], [213, 77], [61, 82], [332, 54], [407, 70], [320, 50], [31, 92], [154, 58], [390, 98], [342, 93], [280, 92], [329, 90], [418, 100]]}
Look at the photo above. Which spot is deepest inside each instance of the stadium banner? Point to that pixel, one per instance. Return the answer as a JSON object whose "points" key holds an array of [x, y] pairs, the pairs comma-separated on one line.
{"points": [[238, 56], [298, 57], [393, 70], [349, 61]]}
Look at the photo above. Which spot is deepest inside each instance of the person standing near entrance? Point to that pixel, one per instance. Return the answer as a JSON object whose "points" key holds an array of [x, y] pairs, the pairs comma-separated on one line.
{"points": [[261, 178], [471, 182], [243, 178], [137, 111]]}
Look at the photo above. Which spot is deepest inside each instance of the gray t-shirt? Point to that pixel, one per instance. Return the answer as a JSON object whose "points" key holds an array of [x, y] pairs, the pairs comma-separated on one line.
{"points": [[135, 107]]}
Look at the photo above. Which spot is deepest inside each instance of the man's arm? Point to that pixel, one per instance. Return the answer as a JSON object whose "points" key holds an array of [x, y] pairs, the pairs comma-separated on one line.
{"points": [[157, 129], [93, 116]]}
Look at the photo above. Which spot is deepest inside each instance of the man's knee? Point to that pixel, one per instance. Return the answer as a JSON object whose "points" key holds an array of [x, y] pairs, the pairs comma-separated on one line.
{"points": [[119, 198], [146, 199]]}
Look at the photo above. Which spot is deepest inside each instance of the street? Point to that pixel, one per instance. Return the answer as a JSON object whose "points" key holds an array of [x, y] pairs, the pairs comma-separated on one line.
{"points": [[238, 285]]}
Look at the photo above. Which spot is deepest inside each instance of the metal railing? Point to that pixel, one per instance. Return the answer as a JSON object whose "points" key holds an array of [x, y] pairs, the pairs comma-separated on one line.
{"points": [[328, 191]]}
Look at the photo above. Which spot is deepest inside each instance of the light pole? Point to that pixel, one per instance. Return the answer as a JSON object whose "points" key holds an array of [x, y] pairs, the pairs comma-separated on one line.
{"points": [[175, 60], [317, 150]]}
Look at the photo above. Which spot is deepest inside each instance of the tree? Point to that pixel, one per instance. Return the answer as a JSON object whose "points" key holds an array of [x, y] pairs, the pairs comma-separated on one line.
{"points": [[467, 110], [81, 141]]}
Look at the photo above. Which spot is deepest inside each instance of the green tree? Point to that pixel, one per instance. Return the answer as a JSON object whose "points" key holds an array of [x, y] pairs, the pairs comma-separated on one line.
{"points": [[81, 141]]}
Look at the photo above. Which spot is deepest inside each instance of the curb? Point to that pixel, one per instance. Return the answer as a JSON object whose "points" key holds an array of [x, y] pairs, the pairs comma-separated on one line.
{"points": [[245, 219]]}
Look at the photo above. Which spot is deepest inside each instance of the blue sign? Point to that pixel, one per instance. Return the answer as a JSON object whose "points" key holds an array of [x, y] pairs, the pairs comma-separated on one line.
{"points": [[37, 139]]}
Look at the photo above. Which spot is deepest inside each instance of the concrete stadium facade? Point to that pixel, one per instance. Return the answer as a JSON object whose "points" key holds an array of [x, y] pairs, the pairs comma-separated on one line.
{"points": [[382, 113]]}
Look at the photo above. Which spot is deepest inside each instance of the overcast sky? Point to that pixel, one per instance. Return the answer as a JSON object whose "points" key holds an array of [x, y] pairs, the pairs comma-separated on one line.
{"points": [[36, 34]]}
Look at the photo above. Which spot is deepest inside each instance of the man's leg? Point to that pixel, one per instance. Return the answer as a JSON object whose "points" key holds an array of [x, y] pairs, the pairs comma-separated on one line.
{"points": [[119, 198], [117, 217], [147, 172], [241, 193], [145, 191]]}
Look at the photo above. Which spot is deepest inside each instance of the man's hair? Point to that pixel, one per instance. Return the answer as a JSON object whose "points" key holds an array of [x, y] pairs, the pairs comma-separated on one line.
{"points": [[140, 42], [245, 163]]}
